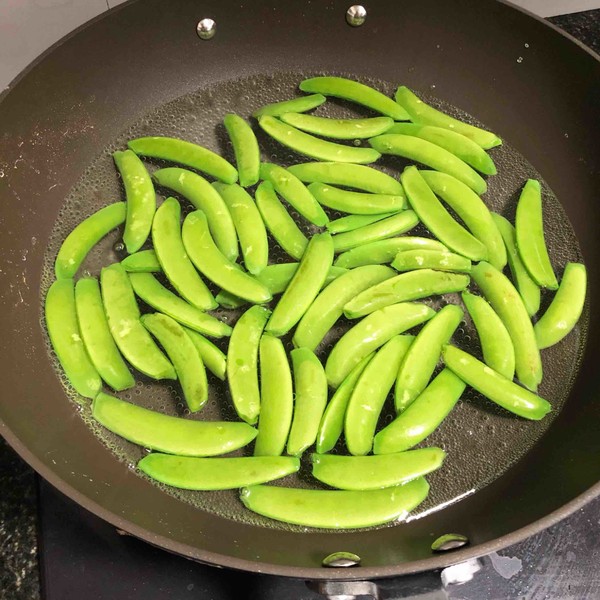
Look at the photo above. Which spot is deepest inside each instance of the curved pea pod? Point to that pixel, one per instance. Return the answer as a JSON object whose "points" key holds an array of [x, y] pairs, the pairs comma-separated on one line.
{"points": [[493, 386], [437, 219], [422, 113], [507, 303], [65, 336], [191, 473], [173, 258], [184, 437], [339, 129], [496, 345], [85, 236], [212, 357], [131, 337], [565, 309], [412, 260], [297, 105], [204, 197], [98, 341], [227, 300], [304, 286], [245, 148], [335, 509], [277, 399], [143, 261], [187, 154], [184, 356], [354, 91], [371, 333], [352, 222], [141, 199], [412, 285], [314, 147], [242, 363], [356, 203], [422, 417]]}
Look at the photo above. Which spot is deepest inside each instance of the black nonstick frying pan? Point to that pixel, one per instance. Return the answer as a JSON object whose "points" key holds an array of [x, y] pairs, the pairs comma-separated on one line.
{"points": [[537, 88]]}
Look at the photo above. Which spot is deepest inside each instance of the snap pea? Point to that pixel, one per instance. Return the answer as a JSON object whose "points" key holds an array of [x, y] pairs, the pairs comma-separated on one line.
{"points": [[352, 222], [496, 345], [212, 357], [289, 187], [242, 363], [357, 203], [141, 199], [277, 400], [411, 260], [184, 356], [64, 333], [279, 222], [131, 337], [437, 219], [429, 154], [339, 129], [310, 387], [142, 261], [204, 197], [301, 104], [85, 236], [184, 437], [493, 386], [412, 285], [507, 303], [304, 286], [173, 258], [371, 333], [375, 472], [422, 417], [187, 154], [97, 339], [228, 300], [314, 147], [245, 148], [422, 113], [347, 89], [335, 509], [423, 355], [565, 309], [191, 473]]}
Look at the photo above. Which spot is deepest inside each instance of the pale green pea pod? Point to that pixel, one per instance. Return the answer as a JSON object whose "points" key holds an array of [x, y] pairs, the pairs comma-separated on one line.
{"points": [[143, 261], [412, 260], [245, 148], [212, 357], [297, 105], [352, 222], [339, 129], [356, 203], [227, 300]]}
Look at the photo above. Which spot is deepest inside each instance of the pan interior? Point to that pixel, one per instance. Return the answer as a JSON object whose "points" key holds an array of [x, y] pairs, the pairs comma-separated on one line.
{"points": [[482, 440]]}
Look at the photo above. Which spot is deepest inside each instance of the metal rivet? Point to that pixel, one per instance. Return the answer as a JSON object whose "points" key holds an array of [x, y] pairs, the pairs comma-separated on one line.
{"points": [[356, 15], [206, 29], [449, 541], [341, 559]]}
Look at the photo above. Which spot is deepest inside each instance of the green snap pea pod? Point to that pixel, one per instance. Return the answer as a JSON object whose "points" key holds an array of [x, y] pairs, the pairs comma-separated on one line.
{"points": [[493, 386], [277, 399], [245, 148], [173, 258], [507, 303], [279, 222], [375, 472], [359, 177], [472, 210], [328, 306], [347, 89], [310, 387], [184, 356], [422, 417], [131, 337], [141, 199], [565, 309], [423, 355], [228, 300], [335, 509], [204, 197], [187, 154], [371, 333], [412, 285], [339, 129], [98, 341], [422, 113], [411, 260], [212, 263], [304, 286], [143, 261], [85, 236], [294, 192], [314, 147], [357, 203], [63, 329], [242, 363], [496, 345], [352, 222], [212, 357], [184, 437], [301, 104], [191, 473]]}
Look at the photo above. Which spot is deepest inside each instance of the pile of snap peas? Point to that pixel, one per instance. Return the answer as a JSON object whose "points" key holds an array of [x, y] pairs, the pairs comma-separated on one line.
{"points": [[361, 267]]}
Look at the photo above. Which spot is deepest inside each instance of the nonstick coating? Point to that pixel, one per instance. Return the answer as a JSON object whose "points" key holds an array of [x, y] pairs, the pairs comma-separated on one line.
{"points": [[536, 88]]}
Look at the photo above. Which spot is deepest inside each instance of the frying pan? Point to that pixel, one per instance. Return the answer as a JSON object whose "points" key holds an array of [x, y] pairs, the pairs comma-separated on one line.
{"points": [[538, 88]]}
